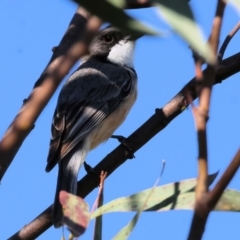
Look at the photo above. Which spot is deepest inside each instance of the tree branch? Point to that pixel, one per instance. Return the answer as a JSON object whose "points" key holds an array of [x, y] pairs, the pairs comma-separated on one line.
{"points": [[227, 176], [201, 115], [135, 141], [73, 45], [227, 41]]}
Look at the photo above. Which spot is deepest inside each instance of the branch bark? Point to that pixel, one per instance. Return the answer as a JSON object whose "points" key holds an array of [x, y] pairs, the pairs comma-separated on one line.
{"points": [[135, 141], [201, 116], [73, 45]]}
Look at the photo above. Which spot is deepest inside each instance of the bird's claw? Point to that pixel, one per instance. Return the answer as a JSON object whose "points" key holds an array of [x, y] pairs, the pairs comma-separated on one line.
{"points": [[123, 141], [89, 169]]}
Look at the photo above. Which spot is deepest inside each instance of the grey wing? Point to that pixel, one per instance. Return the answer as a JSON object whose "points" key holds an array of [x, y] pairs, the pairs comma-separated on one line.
{"points": [[77, 112]]}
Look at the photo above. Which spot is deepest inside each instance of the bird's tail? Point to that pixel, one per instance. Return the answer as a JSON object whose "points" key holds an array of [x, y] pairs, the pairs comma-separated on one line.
{"points": [[68, 169]]}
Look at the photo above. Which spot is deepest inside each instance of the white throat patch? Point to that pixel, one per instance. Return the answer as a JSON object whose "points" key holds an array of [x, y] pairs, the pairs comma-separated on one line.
{"points": [[122, 53]]}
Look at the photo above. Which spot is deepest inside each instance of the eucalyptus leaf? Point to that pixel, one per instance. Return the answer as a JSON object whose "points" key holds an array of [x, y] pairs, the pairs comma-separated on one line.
{"points": [[76, 213], [116, 16], [125, 231], [162, 196], [179, 16], [118, 3], [229, 201], [235, 3]]}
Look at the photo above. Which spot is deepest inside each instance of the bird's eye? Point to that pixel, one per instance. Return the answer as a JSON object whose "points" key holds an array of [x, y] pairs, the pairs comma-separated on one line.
{"points": [[108, 38]]}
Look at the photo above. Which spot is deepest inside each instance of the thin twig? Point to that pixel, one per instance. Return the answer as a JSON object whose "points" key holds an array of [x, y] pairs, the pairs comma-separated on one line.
{"points": [[227, 41], [216, 26], [223, 182], [98, 203], [103, 176]]}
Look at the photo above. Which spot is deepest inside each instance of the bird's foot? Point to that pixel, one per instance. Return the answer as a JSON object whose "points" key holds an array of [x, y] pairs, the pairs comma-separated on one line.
{"points": [[89, 169], [123, 141]]}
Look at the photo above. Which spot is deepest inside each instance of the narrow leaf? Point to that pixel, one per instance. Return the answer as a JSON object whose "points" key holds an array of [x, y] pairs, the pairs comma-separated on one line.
{"points": [[116, 16], [161, 197], [235, 3], [124, 233], [179, 16], [229, 201], [75, 213]]}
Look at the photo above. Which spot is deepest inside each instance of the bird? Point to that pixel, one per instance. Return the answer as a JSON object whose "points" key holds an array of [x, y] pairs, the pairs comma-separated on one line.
{"points": [[92, 104]]}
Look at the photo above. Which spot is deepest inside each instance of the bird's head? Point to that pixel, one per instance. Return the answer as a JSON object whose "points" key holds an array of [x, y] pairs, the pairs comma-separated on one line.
{"points": [[113, 45]]}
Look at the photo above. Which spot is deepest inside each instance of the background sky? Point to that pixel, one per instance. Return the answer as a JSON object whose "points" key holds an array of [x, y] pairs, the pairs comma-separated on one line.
{"points": [[28, 31]]}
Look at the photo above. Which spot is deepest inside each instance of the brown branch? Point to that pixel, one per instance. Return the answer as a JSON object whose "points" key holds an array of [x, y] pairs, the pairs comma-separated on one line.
{"points": [[223, 182], [216, 26], [73, 45], [141, 136], [208, 202], [227, 41], [201, 115]]}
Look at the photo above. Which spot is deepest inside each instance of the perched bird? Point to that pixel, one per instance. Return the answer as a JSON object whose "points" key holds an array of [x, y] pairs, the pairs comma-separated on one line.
{"points": [[93, 102]]}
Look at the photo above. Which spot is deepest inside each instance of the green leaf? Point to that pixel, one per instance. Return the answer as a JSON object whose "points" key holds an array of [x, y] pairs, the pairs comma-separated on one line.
{"points": [[235, 3], [161, 197], [116, 16], [125, 231], [179, 16], [118, 3], [229, 201], [76, 213]]}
